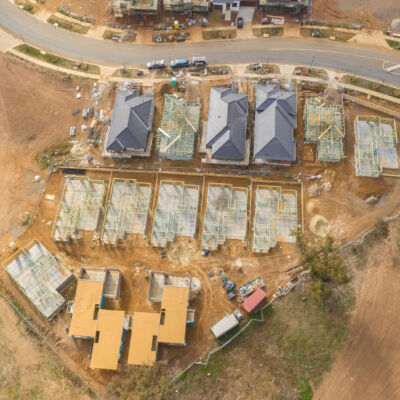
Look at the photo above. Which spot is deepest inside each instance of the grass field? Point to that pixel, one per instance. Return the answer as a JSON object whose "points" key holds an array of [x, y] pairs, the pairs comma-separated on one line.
{"points": [[282, 358], [55, 60], [327, 33], [69, 26], [366, 84]]}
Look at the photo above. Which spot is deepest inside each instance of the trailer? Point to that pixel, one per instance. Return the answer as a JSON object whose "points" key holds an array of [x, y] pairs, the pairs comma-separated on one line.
{"points": [[252, 303], [224, 325], [250, 287]]}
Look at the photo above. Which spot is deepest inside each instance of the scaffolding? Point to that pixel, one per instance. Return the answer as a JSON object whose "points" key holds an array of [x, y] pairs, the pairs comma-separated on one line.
{"points": [[275, 218], [176, 212], [79, 208], [179, 128], [375, 145], [127, 211], [226, 215], [40, 276], [324, 125]]}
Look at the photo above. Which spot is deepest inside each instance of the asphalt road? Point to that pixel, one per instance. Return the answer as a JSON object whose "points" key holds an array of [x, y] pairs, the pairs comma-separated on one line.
{"points": [[344, 57]]}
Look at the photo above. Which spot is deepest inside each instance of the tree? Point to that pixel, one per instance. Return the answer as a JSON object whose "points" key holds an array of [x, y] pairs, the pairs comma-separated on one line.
{"points": [[325, 264]]}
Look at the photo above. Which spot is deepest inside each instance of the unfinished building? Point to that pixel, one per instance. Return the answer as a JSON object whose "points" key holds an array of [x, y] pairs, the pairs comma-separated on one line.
{"points": [[40, 276], [79, 208], [225, 216], [130, 133], [224, 141], [324, 125], [176, 212], [375, 145], [179, 128], [123, 8], [296, 6], [127, 210], [275, 217], [186, 7], [89, 319], [159, 280]]}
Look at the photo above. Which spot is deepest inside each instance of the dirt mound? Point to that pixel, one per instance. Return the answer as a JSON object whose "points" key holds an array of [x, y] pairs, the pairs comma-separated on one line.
{"points": [[319, 225]]}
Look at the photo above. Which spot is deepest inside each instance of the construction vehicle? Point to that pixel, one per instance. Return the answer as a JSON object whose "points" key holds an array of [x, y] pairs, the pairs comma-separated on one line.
{"points": [[227, 285], [91, 129]]}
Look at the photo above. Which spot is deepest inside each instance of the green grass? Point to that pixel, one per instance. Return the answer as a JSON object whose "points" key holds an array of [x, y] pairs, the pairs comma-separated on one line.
{"points": [[393, 44], [374, 86], [285, 355], [107, 35], [30, 8], [128, 73], [59, 61], [69, 26], [311, 72], [327, 33], [219, 34], [269, 31], [53, 155]]}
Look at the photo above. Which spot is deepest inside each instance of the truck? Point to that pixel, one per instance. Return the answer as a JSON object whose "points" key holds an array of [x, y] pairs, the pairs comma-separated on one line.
{"points": [[91, 129], [180, 63], [224, 325]]}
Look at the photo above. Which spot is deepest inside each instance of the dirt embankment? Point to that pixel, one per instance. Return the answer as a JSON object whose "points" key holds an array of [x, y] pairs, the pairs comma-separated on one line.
{"points": [[368, 366]]}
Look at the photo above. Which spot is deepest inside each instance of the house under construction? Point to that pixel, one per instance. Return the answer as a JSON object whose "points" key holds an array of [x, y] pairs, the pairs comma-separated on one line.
{"points": [[179, 128], [123, 8], [324, 125], [186, 7], [176, 212], [79, 208], [127, 210], [375, 145], [225, 216], [40, 276], [89, 319], [275, 218]]}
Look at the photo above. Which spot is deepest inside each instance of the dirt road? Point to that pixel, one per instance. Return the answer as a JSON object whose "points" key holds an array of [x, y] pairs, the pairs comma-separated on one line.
{"points": [[368, 366]]}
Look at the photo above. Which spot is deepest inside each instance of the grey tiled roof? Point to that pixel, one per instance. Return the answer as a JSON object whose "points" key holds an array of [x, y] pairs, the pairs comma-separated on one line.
{"points": [[275, 120], [131, 122], [227, 122]]}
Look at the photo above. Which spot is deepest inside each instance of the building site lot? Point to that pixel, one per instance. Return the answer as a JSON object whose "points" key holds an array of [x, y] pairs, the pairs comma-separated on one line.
{"points": [[325, 196]]}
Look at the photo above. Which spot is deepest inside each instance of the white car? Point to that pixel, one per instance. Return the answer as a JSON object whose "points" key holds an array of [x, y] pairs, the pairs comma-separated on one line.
{"points": [[157, 64]]}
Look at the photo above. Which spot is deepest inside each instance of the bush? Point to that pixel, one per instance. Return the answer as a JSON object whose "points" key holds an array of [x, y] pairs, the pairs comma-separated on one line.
{"points": [[141, 383]]}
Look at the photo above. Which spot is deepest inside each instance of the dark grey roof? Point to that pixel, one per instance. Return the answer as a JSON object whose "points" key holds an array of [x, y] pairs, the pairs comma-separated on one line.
{"points": [[131, 122], [275, 120], [227, 122]]}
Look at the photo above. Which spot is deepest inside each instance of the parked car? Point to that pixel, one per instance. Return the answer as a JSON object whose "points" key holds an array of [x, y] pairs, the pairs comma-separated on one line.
{"points": [[156, 64], [180, 63], [199, 61], [239, 23]]}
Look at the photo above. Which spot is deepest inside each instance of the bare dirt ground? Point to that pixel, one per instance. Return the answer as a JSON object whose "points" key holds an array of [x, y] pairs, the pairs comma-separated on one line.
{"points": [[27, 369], [372, 14], [368, 365], [35, 111]]}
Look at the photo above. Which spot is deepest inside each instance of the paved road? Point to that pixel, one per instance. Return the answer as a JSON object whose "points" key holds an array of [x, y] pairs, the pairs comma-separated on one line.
{"points": [[363, 61]]}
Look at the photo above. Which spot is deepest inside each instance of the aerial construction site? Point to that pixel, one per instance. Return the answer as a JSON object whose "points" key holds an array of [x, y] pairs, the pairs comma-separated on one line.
{"points": [[175, 215]]}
